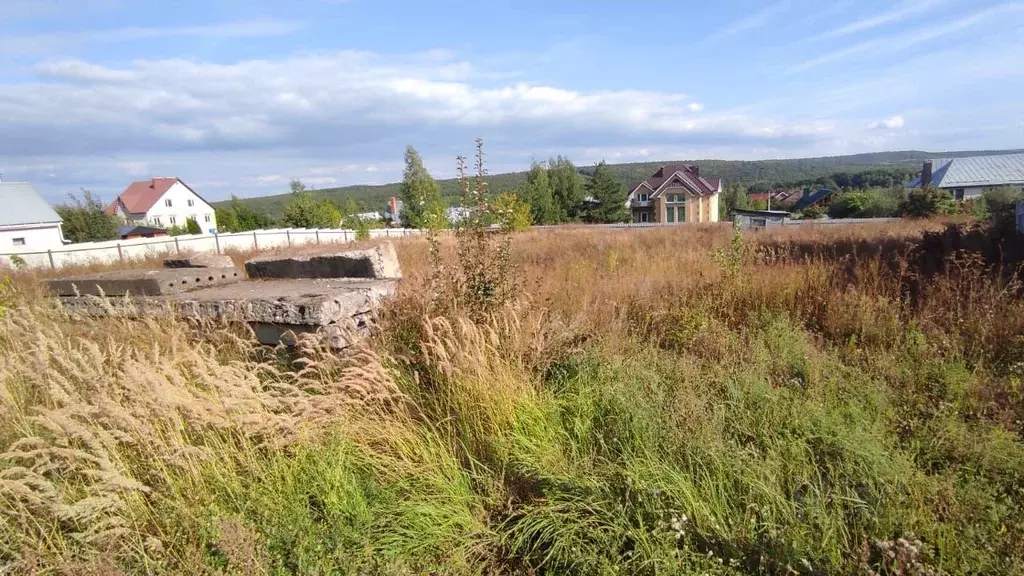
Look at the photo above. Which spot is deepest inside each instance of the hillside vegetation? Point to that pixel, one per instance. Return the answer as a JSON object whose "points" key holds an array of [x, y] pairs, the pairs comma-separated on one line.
{"points": [[767, 173]]}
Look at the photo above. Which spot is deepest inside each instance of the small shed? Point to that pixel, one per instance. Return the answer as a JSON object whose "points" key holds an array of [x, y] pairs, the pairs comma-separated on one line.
{"points": [[760, 218], [139, 231]]}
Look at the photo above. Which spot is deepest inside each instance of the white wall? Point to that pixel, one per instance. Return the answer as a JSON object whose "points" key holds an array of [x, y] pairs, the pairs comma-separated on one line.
{"points": [[179, 195], [139, 248], [38, 237]]}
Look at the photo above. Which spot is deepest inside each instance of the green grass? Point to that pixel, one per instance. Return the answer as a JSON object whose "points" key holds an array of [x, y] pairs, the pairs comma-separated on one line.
{"points": [[765, 454]]}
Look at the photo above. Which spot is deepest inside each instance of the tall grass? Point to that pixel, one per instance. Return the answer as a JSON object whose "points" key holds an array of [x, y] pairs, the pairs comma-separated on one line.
{"points": [[807, 403]]}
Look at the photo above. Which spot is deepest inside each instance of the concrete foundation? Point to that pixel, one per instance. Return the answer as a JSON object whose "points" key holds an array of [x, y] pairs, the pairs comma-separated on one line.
{"points": [[143, 282], [203, 260], [332, 294], [377, 262], [277, 310]]}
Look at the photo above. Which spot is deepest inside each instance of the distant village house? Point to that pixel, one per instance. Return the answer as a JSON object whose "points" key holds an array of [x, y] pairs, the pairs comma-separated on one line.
{"points": [[27, 223], [676, 193], [967, 178], [163, 202]]}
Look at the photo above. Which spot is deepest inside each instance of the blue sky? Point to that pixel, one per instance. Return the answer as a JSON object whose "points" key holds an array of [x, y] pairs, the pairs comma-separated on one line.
{"points": [[241, 96]]}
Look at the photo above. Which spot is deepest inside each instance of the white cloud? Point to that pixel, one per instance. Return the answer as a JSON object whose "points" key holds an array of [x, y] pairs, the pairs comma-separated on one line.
{"points": [[906, 40], [896, 14], [894, 123], [134, 168], [344, 117], [755, 20], [38, 43]]}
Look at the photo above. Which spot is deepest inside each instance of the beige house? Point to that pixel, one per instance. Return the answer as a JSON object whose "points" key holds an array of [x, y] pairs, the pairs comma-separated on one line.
{"points": [[675, 194]]}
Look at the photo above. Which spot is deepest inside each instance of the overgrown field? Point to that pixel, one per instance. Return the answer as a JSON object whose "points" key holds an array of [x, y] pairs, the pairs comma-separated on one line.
{"points": [[659, 401]]}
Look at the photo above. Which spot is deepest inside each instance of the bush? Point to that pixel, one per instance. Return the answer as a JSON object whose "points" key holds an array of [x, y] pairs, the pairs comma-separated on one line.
{"points": [[927, 202], [511, 213], [85, 220], [878, 203], [192, 226], [814, 213], [998, 204]]}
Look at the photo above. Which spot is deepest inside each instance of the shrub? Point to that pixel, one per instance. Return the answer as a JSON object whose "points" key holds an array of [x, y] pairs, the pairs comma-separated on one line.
{"points": [[878, 203], [926, 202], [85, 220], [192, 226], [814, 212], [511, 213]]}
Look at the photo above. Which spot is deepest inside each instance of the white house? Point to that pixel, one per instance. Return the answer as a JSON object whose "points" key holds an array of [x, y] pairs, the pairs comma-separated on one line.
{"points": [[969, 177], [163, 202], [27, 222]]}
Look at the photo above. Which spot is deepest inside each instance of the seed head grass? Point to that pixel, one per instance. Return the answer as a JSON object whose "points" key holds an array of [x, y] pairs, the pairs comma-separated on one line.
{"points": [[655, 401]]}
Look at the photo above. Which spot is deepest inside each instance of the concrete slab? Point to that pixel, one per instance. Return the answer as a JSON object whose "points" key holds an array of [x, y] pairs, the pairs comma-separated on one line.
{"points": [[143, 282], [378, 262], [203, 260], [277, 310]]}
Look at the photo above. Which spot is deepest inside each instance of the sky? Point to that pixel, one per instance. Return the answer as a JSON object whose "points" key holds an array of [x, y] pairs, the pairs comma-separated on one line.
{"points": [[240, 96]]}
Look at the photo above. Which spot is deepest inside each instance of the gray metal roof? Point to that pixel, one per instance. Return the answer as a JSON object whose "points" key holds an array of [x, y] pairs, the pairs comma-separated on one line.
{"points": [[998, 170], [21, 204]]}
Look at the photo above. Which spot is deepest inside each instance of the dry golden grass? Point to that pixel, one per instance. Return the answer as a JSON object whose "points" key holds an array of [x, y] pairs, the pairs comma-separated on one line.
{"points": [[134, 445]]}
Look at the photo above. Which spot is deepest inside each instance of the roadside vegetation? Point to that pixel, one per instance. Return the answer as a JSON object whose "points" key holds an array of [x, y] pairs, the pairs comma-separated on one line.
{"points": [[682, 400]]}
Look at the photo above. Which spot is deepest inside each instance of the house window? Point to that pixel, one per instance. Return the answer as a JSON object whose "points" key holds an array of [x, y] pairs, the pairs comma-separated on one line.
{"points": [[191, 202], [156, 220], [958, 194], [172, 220], [681, 214], [644, 217], [19, 241], [167, 202], [644, 198], [670, 214], [207, 217]]}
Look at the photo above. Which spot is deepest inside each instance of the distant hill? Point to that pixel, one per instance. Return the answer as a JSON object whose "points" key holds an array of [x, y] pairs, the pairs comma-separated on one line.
{"points": [[769, 172]]}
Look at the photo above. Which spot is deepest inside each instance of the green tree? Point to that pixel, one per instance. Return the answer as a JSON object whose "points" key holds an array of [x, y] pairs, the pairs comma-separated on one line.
{"points": [[999, 204], [926, 202], [512, 213], [538, 192], [249, 219], [306, 211], [297, 187], [85, 220], [227, 220], [192, 226], [735, 198], [349, 207], [567, 188], [421, 195], [609, 194]]}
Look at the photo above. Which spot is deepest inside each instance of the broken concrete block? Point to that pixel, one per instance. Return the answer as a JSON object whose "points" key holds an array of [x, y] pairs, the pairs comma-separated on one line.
{"points": [[277, 310], [143, 282], [378, 262], [203, 260]]}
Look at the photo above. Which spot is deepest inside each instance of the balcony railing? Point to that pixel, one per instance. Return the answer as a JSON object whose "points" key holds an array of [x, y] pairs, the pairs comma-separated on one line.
{"points": [[641, 203]]}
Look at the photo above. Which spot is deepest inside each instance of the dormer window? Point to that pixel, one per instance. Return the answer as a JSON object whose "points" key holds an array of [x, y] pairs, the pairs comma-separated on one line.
{"points": [[644, 197]]}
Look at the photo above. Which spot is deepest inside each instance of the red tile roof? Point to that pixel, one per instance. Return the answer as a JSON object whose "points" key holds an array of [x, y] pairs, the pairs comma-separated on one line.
{"points": [[690, 174], [139, 197]]}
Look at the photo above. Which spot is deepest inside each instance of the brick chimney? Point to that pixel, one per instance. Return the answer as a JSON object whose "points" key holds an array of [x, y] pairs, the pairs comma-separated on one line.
{"points": [[926, 174], [695, 170]]}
